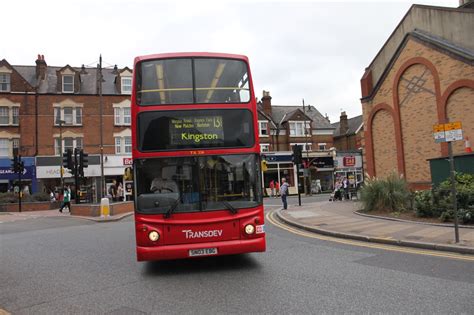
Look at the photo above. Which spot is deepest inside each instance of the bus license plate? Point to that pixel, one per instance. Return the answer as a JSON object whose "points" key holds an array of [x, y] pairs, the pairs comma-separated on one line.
{"points": [[202, 252]]}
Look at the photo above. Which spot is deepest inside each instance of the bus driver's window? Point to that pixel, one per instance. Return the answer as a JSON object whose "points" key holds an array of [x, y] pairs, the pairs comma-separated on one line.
{"points": [[165, 183]]}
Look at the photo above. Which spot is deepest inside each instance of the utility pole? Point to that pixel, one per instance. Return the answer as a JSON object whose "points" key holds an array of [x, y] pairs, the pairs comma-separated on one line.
{"points": [[308, 165], [61, 170], [453, 191], [102, 182]]}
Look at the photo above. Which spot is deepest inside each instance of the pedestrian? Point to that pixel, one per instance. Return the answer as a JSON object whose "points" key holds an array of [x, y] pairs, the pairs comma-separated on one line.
{"points": [[52, 198], [345, 185], [120, 192], [284, 192], [272, 188], [277, 189], [113, 191], [66, 200]]}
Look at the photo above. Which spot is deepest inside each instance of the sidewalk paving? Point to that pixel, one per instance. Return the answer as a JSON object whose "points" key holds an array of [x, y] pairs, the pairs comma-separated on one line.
{"points": [[18, 216], [338, 219]]}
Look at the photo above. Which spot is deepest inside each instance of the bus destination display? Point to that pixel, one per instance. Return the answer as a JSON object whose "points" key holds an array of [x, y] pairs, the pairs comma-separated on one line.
{"points": [[201, 130]]}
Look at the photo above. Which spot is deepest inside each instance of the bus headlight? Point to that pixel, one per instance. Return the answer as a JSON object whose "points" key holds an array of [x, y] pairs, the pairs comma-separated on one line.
{"points": [[249, 229], [154, 236]]}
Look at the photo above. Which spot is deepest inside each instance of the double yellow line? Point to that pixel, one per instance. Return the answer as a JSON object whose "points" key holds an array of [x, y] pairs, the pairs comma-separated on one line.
{"points": [[273, 220]]}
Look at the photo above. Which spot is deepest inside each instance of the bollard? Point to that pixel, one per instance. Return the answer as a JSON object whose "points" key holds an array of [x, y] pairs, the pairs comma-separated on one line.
{"points": [[104, 207]]}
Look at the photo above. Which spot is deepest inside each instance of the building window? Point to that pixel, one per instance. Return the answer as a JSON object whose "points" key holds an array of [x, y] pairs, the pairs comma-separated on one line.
{"points": [[4, 116], [264, 147], [4, 82], [4, 147], [9, 115], [70, 115], [68, 83], [322, 146], [127, 85], [122, 116], [68, 143], [123, 145], [297, 128], [263, 128]]}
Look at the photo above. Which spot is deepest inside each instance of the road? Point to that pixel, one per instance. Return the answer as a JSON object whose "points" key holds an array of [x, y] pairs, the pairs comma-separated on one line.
{"points": [[63, 265]]}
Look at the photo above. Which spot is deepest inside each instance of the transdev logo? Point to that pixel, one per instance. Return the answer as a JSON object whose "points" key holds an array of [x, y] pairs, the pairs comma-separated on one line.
{"points": [[201, 234]]}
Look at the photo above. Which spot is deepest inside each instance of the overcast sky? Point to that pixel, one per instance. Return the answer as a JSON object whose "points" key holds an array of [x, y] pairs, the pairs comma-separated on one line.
{"points": [[311, 50]]}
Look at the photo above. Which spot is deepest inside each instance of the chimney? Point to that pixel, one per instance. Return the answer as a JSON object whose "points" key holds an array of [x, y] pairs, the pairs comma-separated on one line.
{"points": [[41, 68], [343, 124], [267, 103]]}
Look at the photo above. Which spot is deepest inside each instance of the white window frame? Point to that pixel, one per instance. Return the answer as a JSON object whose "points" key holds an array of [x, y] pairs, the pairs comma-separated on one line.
{"points": [[77, 142], [125, 87], [264, 147], [12, 115], [5, 81], [123, 145], [322, 144], [76, 119], [121, 118], [8, 145], [64, 84], [263, 126], [297, 128]]}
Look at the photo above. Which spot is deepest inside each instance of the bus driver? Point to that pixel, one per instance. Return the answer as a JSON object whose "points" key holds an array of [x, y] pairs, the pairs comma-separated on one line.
{"points": [[165, 183]]}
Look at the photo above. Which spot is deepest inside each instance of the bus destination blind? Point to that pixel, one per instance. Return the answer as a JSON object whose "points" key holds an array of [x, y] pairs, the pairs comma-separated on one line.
{"points": [[201, 130]]}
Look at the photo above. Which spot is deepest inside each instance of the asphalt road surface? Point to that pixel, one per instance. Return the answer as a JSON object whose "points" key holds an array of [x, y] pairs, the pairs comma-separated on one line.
{"points": [[62, 265]]}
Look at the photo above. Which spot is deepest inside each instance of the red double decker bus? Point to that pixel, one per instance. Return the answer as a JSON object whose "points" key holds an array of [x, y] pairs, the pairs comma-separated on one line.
{"points": [[196, 157]]}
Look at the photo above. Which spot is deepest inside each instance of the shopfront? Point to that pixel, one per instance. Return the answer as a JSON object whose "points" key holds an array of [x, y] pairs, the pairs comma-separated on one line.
{"points": [[321, 170], [10, 180], [48, 173], [280, 166], [349, 165], [118, 171]]}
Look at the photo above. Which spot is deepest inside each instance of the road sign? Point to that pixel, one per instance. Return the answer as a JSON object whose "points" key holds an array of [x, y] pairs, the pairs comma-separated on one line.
{"points": [[447, 132]]}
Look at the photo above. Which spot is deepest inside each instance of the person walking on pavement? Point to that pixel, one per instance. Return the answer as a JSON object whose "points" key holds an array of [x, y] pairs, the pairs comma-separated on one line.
{"points": [[66, 200], [272, 188], [284, 193]]}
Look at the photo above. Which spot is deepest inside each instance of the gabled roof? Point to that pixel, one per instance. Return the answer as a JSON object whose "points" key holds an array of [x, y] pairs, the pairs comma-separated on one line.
{"points": [[354, 124], [88, 79], [281, 112]]}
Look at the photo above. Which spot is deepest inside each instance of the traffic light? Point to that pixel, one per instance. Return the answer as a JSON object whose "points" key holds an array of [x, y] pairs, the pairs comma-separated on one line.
{"points": [[67, 159], [264, 166], [83, 162], [297, 154], [21, 166], [14, 165]]}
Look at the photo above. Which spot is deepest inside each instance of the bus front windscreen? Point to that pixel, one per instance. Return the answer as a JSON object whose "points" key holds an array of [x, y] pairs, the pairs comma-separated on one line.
{"points": [[198, 129], [193, 184], [192, 81]]}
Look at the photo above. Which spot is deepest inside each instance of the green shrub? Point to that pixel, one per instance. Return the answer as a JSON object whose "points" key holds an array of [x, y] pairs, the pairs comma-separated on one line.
{"points": [[8, 197], [438, 202], [389, 194]]}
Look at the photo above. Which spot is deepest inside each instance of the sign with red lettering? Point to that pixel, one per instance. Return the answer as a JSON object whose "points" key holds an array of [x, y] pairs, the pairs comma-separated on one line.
{"points": [[127, 161], [349, 161]]}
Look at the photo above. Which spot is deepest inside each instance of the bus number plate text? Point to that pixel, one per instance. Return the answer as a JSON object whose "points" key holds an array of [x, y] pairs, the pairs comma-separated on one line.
{"points": [[202, 252]]}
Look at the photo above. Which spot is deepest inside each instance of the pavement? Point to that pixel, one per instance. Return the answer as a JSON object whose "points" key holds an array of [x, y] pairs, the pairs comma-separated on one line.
{"points": [[339, 219], [27, 215]]}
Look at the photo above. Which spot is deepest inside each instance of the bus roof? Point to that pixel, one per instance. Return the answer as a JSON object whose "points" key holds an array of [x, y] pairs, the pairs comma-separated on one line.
{"points": [[190, 54]]}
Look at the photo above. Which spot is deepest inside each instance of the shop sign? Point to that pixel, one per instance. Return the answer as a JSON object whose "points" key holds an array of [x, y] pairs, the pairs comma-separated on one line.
{"points": [[349, 161], [127, 161], [323, 162], [7, 173]]}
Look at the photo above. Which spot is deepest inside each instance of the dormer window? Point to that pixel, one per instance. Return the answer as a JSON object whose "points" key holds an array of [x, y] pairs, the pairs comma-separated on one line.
{"points": [[263, 128], [5, 82], [126, 85], [68, 83]]}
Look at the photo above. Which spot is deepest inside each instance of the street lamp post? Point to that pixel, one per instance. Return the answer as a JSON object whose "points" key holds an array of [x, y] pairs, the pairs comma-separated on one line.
{"points": [[61, 170]]}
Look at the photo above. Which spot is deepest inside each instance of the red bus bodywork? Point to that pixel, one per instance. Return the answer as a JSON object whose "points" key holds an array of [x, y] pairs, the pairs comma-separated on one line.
{"points": [[182, 232]]}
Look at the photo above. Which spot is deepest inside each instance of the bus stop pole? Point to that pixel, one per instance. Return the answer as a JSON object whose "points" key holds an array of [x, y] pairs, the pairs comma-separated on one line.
{"points": [[453, 191]]}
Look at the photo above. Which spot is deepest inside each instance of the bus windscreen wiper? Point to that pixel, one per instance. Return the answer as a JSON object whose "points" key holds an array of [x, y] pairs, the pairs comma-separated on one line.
{"points": [[230, 207], [172, 208]]}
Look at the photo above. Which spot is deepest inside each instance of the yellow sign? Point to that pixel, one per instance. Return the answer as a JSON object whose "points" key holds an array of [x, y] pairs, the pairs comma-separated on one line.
{"points": [[452, 126], [438, 128]]}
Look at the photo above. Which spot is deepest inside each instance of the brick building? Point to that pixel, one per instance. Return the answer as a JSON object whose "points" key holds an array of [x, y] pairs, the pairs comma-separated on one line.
{"points": [[281, 127], [422, 76], [45, 110]]}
